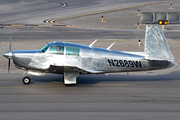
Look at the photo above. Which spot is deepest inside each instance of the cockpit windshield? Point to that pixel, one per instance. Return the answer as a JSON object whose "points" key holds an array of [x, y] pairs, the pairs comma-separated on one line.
{"points": [[44, 49]]}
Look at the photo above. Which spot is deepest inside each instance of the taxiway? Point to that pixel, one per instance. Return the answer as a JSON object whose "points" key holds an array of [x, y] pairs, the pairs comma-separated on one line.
{"points": [[137, 96]]}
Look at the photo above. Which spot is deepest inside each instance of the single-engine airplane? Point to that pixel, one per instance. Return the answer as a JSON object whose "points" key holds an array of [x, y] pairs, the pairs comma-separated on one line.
{"points": [[73, 59]]}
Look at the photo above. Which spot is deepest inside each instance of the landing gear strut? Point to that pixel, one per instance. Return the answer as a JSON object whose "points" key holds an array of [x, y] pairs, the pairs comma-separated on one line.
{"points": [[69, 78], [26, 80]]}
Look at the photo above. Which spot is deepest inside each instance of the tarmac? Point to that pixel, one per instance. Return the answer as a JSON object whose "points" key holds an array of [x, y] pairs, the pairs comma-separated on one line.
{"points": [[125, 18], [120, 96]]}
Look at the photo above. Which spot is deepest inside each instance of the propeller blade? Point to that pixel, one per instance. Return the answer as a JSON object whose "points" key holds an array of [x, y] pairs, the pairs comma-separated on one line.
{"points": [[9, 65], [10, 44]]}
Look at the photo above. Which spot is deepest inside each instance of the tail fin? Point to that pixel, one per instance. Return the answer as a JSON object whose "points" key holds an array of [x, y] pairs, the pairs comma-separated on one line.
{"points": [[156, 46]]}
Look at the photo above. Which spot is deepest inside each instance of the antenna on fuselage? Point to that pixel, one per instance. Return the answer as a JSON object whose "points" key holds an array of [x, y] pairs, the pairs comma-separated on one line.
{"points": [[110, 46], [92, 43]]}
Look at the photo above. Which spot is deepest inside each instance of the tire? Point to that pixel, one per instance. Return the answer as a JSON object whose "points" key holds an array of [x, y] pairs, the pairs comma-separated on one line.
{"points": [[26, 80]]}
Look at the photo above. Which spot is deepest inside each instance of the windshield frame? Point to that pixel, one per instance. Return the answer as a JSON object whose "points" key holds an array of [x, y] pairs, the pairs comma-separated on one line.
{"points": [[45, 48]]}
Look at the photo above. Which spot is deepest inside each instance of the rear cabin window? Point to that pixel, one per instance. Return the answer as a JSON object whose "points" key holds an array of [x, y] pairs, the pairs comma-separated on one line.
{"points": [[56, 50], [72, 51]]}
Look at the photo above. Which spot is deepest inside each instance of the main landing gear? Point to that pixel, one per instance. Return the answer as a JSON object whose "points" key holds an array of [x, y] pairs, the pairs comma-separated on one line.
{"points": [[26, 80], [69, 78]]}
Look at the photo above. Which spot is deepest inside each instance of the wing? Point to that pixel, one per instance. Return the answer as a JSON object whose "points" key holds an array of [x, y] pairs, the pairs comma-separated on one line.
{"points": [[61, 69]]}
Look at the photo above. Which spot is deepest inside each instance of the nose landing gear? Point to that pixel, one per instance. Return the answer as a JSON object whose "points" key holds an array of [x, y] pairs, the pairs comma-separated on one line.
{"points": [[26, 80]]}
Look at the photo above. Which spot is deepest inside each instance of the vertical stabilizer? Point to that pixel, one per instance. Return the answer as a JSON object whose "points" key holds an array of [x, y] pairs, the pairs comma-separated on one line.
{"points": [[156, 45]]}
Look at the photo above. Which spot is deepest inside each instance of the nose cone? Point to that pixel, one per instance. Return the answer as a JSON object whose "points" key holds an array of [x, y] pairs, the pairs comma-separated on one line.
{"points": [[8, 54]]}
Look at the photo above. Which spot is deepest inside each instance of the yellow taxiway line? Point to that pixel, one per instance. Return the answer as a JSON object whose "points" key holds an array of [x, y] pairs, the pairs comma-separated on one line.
{"points": [[64, 4], [54, 24], [32, 86], [52, 21]]}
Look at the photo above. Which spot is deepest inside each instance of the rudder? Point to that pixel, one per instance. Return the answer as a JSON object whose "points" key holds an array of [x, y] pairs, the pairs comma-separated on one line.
{"points": [[156, 45]]}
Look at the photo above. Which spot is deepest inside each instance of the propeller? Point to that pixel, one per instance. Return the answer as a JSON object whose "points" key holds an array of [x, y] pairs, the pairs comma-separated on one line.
{"points": [[9, 65], [10, 44], [8, 55]]}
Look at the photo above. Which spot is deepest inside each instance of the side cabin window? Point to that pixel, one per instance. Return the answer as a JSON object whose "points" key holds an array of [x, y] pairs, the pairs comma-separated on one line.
{"points": [[72, 51], [56, 50]]}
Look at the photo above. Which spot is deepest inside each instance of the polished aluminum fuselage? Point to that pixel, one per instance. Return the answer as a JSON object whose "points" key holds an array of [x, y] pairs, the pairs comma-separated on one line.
{"points": [[90, 60]]}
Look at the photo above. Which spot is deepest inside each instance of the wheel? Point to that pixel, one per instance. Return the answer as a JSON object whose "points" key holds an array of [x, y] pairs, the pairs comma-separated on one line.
{"points": [[26, 80]]}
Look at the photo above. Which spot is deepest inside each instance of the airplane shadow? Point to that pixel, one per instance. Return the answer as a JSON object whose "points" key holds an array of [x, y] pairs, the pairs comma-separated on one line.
{"points": [[94, 79]]}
